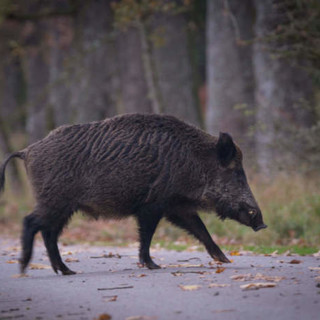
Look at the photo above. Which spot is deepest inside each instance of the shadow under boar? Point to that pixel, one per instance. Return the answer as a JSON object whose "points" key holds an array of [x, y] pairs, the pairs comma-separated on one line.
{"points": [[147, 166]]}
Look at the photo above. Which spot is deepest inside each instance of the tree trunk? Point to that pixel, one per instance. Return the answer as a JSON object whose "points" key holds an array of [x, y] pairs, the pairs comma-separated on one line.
{"points": [[134, 91], [172, 67], [36, 70], [230, 79], [281, 90], [93, 63], [59, 41]]}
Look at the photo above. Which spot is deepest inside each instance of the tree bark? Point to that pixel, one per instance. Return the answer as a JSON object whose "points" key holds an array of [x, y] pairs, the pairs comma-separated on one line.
{"points": [[282, 87], [134, 91], [36, 70], [230, 82], [93, 63], [172, 67]]}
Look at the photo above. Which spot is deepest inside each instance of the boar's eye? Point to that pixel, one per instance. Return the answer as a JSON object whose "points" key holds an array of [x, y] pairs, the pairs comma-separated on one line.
{"points": [[253, 213]]}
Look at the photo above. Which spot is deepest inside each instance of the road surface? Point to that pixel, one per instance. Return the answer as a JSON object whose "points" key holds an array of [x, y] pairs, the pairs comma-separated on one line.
{"points": [[110, 285]]}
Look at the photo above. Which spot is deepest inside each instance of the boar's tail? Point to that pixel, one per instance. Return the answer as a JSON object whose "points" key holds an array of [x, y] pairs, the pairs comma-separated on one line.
{"points": [[18, 154]]}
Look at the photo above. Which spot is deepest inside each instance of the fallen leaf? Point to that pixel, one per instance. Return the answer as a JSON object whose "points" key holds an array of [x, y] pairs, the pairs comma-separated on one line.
{"points": [[141, 318], [258, 276], [220, 269], [12, 261], [257, 285], [66, 253], [218, 285], [71, 260], [273, 254], [20, 275], [141, 275], [109, 255], [176, 274], [185, 265], [214, 263], [314, 268], [38, 266], [242, 277], [295, 261], [190, 287], [317, 254], [103, 316], [111, 299], [234, 253]]}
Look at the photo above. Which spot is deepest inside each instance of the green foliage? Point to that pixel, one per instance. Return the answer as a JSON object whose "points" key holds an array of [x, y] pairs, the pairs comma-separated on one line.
{"points": [[128, 12], [296, 33]]}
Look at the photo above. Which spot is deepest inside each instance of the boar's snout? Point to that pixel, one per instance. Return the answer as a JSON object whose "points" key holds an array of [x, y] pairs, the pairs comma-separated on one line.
{"points": [[262, 226], [252, 217], [256, 220]]}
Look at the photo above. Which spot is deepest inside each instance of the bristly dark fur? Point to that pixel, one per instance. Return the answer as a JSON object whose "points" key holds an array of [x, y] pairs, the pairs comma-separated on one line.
{"points": [[149, 166]]}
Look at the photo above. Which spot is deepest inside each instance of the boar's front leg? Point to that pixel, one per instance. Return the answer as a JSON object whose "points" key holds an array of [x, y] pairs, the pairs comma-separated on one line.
{"points": [[147, 223], [194, 225]]}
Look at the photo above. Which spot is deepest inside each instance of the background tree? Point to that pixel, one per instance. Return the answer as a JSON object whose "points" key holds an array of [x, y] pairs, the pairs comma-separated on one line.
{"points": [[230, 79], [284, 89]]}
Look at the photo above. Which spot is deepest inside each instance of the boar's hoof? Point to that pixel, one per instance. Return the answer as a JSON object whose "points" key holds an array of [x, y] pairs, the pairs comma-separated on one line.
{"points": [[68, 272], [149, 264], [152, 265], [222, 258]]}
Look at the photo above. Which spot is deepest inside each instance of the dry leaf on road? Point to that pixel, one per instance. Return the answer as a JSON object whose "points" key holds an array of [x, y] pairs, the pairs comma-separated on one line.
{"points": [[220, 269], [218, 285], [190, 287], [20, 275], [38, 266], [71, 260], [12, 261], [258, 276], [111, 299], [295, 261], [103, 316], [257, 285], [141, 318], [314, 268]]}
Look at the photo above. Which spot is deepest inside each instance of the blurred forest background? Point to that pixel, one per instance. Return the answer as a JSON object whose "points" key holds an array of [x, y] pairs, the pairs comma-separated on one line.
{"points": [[249, 67]]}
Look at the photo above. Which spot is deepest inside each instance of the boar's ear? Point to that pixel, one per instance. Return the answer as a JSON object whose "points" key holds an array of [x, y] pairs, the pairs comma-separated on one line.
{"points": [[226, 149]]}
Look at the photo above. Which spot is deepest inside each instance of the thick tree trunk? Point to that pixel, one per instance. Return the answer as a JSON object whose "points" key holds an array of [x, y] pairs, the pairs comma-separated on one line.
{"points": [[282, 89], [134, 91], [93, 87], [36, 70], [59, 40], [173, 69], [230, 82]]}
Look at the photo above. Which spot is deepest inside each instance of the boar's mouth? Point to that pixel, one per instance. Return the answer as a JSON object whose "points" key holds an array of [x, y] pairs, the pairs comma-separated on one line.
{"points": [[261, 226]]}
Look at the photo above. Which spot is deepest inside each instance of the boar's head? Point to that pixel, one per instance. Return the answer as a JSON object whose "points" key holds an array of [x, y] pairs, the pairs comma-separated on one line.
{"points": [[229, 189]]}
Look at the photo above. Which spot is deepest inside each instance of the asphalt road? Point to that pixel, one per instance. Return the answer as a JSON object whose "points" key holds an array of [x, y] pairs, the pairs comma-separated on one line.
{"points": [[187, 287]]}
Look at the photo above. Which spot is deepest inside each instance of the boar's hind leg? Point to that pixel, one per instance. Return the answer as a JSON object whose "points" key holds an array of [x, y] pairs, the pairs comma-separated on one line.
{"points": [[50, 234], [31, 225], [147, 223], [50, 238], [194, 225]]}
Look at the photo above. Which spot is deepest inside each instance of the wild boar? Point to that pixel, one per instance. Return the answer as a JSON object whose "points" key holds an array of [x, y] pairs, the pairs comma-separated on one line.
{"points": [[143, 165]]}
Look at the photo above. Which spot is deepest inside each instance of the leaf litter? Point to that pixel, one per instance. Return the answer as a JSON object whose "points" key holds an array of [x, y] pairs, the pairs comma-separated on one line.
{"points": [[258, 276], [258, 285], [192, 287], [38, 266]]}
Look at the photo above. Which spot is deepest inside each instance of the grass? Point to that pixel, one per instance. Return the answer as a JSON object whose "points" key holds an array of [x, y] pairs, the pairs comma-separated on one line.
{"points": [[290, 206]]}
